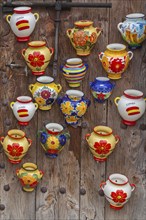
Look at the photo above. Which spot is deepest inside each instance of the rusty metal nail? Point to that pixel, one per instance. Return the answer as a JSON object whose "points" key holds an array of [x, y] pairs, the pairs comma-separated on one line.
{"points": [[82, 191], [7, 187], [2, 207], [142, 127], [84, 124], [7, 122], [62, 190], [43, 189], [123, 126], [2, 165], [100, 192]]}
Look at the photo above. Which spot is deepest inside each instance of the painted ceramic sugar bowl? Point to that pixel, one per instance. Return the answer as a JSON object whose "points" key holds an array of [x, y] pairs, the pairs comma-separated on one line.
{"points": [[45, 92], [15, 145], [29, 176], [73, 105], [131, 106], [83, 36], [133, 29], [117, 190], [101, 88], [22, 22], [37, 56], [115, 60], [102, 142]]}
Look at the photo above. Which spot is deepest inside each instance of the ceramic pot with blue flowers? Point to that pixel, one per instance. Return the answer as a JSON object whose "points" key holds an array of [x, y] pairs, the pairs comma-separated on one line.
{"points": [[101, 88], [53, 139]]}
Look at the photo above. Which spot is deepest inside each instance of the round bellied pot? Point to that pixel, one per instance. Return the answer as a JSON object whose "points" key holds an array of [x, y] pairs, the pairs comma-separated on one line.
{"points": [[131, 106], [53, 139], [15, 145], [22, 22], [37, 56], [102, 142], [83, 36], [133, 29], [24, 109], [117, 190], [73, 105], [29, 176], [101, 88], [45, 92], [115, 60]]}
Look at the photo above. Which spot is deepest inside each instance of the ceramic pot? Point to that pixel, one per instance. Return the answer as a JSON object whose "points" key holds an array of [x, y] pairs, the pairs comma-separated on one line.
{"points": [[29, 176], [24, 109], [115, 60], [15, 145], [133, 29], [83, 36], [45, 92], [73, 105], [102, 142], [117, 190], [22, 22], [131, 106], [53, 139], [101, 88]]}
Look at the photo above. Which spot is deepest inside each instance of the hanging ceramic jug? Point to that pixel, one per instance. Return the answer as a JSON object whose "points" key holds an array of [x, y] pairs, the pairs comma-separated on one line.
{"points": [[83, 36], [45, 92], [101, 88], [115, 60], [102, 142], [53, 139], [131, 106], [73, 105], [117, 190], [22, 22], [15, 145], [37, 56], [29, 176], [133, 29]]}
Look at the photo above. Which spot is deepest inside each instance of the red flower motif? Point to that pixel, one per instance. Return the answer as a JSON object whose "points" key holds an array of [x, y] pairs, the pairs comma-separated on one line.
{"points": [[45, 94], [34, 184], [80, 38], [100, 96], [102, 147], [116, 65], [93, 37], [15, 150], [119, 196], [52, 151], [36, 59]]}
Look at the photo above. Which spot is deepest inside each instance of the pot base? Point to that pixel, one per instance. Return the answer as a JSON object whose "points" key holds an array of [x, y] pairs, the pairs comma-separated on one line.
{"points": [[130, 123], [133, 47], [23, 123], [116, 207], [14, 161], [28, 190], [114, 76], [74, 85], [23, 39], [99, 159], [83, 53], [44, 108], [38, 73]]}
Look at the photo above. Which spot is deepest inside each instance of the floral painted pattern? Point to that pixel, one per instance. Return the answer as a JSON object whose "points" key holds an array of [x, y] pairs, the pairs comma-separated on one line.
{"points": [[40, 100], [15, 150], [81, 108], [93, 37], [43, 138], [66, 108], [105, 62], [102, 147], [62, 139], [28, 180], [53, 142], [36, 59], [117, 65], [119, 196], [45, 94], [80, 38], [71, 119]]}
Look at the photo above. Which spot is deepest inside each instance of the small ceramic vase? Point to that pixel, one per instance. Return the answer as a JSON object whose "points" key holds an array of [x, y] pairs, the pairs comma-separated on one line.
{"points": [[74, 71], [83, 36], [73, 105], [133, 29], [131, 106], [24, 109], [117, 190], [53, 139], [15, 145], [29, 176], [22, 22], [115, 60], [101, 88], [45, 92], [37, 56]]}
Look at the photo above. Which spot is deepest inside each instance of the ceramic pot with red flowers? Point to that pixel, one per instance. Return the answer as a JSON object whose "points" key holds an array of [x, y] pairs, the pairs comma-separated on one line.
{"points": [[15, 145], [117, 190], [115, 60], [102, 142], [37, 56], [29, 176], [83, 36]]}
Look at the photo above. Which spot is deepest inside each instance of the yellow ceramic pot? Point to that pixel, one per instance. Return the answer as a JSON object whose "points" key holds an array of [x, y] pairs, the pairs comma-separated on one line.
{"points": [[101, 142], [83, 36]]}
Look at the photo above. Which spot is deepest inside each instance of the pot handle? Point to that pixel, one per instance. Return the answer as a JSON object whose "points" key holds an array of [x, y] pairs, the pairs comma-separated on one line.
{"points": [[31, 87], [41, 173], [132, 187], [116, 99], [23, 52], [59, 87], [12, 104], [119, 26], [8, 17], [86, 65], [87, 137], [2, 139], [68, 32], [98, 31], [117, 138], [30, 142], [100, 56], [36, 105], [51, 49], [145, 99], [17, 172], [130, 53], [102, 184], [36, 15]]}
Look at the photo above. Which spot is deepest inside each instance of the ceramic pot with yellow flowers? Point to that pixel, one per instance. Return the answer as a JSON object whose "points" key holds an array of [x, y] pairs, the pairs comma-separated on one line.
{"points": [[29, 176], [83, 36]]}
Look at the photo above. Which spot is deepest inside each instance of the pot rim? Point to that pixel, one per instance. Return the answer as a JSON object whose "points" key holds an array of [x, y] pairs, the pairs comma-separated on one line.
{"points": [[24, 99], [133, 94], [100, 128], [102, 78], [135, 15], [74, 61], [54, 127], [22, 10], [30, 165], [73, 92], [116, 47], [45, 79], [37, 43], [11, 133], [116, 176], [83, 23]]}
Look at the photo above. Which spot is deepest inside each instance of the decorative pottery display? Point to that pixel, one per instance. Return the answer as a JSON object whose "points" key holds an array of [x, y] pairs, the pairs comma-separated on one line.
{"points": [[15, 145], [22, 22], [45, 92], [74, 71], [102, 142], [131, 106], [115, 60], [73, 105], [53, 139], [37, 56], [83, 36], [24, 109], [117, 190], [101, 88], [133, 29], [29, 176]]}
